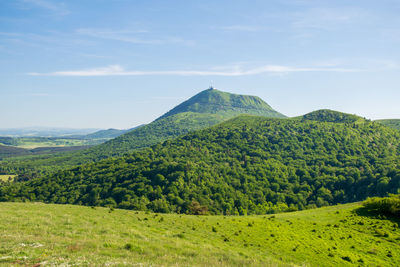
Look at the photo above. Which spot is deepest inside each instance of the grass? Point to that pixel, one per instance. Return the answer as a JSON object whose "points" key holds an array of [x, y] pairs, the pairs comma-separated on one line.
{"points": [[30, 143], [33, 233], [4, 177]]}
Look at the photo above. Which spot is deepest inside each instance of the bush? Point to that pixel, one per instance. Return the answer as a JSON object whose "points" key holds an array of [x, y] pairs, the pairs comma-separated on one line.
{"points": [[384, 206], [196, 209]]}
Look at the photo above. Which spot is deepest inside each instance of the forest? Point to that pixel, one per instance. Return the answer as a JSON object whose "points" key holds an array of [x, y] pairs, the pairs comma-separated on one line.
{"points": [[247, 165]]}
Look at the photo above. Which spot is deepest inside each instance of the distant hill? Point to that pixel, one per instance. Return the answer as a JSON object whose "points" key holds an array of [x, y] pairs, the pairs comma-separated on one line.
{"points": [[247, 165], [105, 134], [203, 110], [392, 123], [44, 132], [327, 115]]}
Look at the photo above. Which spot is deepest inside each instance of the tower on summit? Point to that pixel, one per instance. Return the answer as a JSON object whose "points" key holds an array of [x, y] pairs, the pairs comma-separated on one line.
{"points": [[211, 86]]}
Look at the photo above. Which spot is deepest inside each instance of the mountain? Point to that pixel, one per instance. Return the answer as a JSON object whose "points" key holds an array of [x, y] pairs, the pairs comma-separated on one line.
{"points": [[247, 165], [213, 101], [203, 110], [392, 123]]}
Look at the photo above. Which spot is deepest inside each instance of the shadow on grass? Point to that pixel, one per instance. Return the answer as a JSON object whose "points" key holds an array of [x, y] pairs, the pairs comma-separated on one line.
{"points": [[362, 211]]}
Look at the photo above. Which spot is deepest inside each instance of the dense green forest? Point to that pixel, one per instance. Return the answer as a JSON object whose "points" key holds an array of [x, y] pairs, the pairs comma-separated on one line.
{"points": [[392, 123], [247, 165], [203, 110], [327, 115]]}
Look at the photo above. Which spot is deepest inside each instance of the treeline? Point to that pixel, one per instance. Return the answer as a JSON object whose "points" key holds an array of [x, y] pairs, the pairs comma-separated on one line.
{"points": [[248, 165]]}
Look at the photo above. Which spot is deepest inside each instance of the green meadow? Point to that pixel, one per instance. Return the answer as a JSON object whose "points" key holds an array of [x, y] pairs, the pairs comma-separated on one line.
{"points": [[4, 177], [48, 234]]}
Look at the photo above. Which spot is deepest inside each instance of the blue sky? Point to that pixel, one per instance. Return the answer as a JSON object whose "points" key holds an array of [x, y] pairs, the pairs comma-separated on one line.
{"points": [[120, 63]]}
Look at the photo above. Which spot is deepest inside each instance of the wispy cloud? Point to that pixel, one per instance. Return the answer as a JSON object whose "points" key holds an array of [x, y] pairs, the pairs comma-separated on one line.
{"points": [[54, 6], [129, 36], [117, 70]]}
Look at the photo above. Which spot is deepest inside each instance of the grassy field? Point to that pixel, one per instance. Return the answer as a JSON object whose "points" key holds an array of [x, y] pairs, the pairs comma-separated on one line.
{"points": [[4, 177], [35, 142], [33, 233], [30, 143]]}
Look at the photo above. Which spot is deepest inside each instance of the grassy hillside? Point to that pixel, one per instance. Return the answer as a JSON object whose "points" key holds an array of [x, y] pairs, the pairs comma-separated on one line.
{"points": [[59, 235], [392, 123], [207, 108], [250, 164]]}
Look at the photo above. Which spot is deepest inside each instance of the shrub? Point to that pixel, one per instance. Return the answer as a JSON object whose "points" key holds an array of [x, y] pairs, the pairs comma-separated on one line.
{"points": [[346, 258], [128, 246], [384, 206], [196, 209]]}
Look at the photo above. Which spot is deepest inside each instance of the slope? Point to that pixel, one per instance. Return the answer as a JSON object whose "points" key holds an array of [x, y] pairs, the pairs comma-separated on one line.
{"points": [[214, 101], [327, 115], [205, 109], [392, 123], [333, 236], [105, 134], [247, 165]]}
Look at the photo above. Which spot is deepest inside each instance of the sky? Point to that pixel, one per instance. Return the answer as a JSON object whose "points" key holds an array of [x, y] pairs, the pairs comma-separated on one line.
{"points": [[122, 63]]}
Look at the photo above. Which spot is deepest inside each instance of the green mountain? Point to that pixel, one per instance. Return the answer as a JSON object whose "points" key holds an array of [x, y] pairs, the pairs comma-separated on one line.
{"points": [[327, 115], [65, 235], [392, 123], [108, 134], [105, 134], [205, 109], [217, 102], [247, 165]]}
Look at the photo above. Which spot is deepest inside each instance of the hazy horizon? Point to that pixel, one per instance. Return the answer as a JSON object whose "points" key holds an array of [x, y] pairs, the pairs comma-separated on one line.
{"points": [[119, 64]]}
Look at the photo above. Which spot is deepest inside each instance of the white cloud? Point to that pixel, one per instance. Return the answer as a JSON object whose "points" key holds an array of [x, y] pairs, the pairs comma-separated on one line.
{"points": [[117, 70]]}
